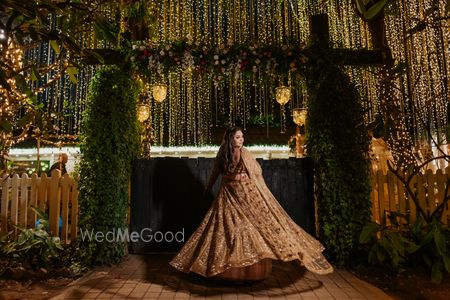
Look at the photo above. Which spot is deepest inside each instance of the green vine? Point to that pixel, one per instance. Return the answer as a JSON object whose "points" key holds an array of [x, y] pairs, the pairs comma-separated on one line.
{"points": [[109, 142], [339, 146]]}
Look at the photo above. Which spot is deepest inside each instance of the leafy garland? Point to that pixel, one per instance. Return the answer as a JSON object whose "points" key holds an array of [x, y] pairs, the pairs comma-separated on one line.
{"points": [[269, 60]]}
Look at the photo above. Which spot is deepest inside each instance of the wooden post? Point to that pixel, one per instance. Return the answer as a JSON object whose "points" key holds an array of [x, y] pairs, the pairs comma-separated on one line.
{"points": [[54, 197], [65, 185], [318, 27], [38, 155], [23, 202], [15, 200], [6, 183], [319, 31], [33, 198], [74, 211]]}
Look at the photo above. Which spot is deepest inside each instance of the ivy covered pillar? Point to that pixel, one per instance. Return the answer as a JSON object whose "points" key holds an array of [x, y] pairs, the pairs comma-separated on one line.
{"points": [[338, 142], [109, 143]]}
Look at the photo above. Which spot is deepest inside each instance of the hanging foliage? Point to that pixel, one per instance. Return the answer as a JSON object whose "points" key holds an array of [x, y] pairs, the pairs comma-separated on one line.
{"points": [[369, 9]]}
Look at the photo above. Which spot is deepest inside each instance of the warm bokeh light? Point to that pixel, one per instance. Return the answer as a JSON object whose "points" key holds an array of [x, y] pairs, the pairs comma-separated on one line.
{"points": [[159, 92], [299, 116], [143, 112], [282, 94]]}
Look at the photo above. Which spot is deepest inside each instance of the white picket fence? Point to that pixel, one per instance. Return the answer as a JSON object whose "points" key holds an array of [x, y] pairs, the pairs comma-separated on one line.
{"points": [[57, 195]]}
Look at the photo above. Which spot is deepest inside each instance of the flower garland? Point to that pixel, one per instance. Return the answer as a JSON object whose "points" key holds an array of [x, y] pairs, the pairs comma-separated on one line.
{"points": [[269, 60]]}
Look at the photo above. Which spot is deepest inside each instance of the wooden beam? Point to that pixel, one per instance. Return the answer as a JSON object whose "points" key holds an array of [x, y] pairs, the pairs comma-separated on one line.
{"points": [[110, 57], [359, 57], [318, 27], [343, 56], [319, 30]]}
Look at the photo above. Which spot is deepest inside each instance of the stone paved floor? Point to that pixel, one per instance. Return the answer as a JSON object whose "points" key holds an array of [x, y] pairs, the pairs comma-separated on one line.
{"points": [[150, 277]]}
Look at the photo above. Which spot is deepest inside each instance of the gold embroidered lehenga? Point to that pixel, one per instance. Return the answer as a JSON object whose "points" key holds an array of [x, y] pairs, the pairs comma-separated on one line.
{"points": [[246, 225]]}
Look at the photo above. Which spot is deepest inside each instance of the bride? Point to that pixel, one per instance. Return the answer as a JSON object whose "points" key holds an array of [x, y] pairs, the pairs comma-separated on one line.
{"points": [[245, 225]]}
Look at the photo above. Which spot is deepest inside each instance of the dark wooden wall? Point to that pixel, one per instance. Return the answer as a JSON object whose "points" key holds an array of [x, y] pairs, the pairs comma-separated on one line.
{"points": [[167, 196]]}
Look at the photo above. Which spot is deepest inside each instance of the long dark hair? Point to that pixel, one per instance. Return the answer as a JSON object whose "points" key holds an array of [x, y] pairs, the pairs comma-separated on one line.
{"points": [[225, 154]]}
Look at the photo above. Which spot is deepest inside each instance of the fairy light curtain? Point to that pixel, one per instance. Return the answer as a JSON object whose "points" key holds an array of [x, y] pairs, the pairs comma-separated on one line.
{"points": [[195, 104], [423, 89], [63, 96]]}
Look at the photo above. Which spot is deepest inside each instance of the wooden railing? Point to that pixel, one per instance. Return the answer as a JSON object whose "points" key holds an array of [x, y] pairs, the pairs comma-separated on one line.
{"points": [[56, 195], [388, 194]]}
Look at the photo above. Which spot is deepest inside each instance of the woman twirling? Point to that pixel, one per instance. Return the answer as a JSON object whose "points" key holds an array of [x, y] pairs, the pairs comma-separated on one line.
{"points": [[245, 225]]}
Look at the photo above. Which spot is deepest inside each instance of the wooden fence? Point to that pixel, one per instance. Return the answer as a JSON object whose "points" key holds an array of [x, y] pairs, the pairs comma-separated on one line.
{"points": [[59, 197], [388, 194], [56, 195]]}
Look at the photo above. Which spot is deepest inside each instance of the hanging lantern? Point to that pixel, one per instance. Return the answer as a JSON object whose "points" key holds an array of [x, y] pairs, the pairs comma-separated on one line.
{"points": [[282, 94], [159, 92], [143, 112], [299, 116]]}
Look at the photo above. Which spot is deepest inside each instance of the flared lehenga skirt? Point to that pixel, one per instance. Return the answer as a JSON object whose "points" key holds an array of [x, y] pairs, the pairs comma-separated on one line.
{"points": [[245, 225]]}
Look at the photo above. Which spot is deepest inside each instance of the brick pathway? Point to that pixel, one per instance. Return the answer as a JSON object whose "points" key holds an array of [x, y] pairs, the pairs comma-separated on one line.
{"points": [[150, 277]]}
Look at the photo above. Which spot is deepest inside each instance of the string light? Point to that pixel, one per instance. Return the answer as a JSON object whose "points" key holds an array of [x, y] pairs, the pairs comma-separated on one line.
{"points": [[231, 22], [183, 118], [55, 91]]}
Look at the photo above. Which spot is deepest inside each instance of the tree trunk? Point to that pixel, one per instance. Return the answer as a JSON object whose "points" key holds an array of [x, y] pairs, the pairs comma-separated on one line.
{"points": [[377, 31]]}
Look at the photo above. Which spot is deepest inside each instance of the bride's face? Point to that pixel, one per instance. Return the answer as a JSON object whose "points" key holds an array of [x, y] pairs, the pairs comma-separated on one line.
{"points": [[238, 139]]}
